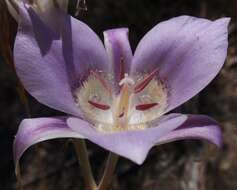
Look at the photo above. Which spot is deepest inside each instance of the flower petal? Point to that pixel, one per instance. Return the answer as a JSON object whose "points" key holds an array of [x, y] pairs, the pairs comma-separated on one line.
{"points": [[196, 127], [52, 66], [188, 51], [119, 51], [32, 131], [46, 9], [133, 145]]}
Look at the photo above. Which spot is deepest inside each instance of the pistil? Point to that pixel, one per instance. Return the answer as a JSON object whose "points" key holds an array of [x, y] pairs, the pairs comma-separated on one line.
{"points": [[136, 104], [123, 101]]}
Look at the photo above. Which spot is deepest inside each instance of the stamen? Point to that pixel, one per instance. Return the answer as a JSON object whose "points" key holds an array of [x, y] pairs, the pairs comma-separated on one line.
{"points": [[138, 88], [99, 106], [101, 79], [143, 107]]}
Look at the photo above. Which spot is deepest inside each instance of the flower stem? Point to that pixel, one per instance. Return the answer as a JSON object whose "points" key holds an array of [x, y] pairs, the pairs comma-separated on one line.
{"points": [[82, 155], [18, 177], [109, 170]]}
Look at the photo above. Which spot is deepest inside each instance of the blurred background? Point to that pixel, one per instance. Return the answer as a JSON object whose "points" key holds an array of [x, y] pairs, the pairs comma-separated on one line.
{"points": [[183, 165]]}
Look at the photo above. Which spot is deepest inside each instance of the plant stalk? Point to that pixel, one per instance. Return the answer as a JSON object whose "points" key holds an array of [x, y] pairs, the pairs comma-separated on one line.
{"points": [[82, 155], [18, 177], [108, 172]]}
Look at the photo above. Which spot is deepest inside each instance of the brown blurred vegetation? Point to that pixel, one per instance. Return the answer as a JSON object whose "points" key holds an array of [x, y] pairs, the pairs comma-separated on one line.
{"points": [[186, 165]]}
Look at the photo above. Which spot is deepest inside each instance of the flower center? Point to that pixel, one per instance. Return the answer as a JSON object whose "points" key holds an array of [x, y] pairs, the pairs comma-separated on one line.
{"points": [[142, 98]]}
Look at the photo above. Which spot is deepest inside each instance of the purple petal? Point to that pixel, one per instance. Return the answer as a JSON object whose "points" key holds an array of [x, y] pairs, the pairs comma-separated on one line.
{"points": [[51, 66], [119, 51], [188, 51], [133, 145], [196, 127], [32, 131]]}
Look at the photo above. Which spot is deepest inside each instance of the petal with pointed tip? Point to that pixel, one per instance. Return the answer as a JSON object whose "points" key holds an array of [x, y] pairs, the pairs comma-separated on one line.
{"points": [[196, 127], [51, 66], [32, 131], [133, 145], [188, 52]]}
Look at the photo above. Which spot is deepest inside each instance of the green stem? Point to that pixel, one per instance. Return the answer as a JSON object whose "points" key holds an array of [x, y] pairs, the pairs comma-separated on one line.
{"points": [[108, 173], [82, 155]]}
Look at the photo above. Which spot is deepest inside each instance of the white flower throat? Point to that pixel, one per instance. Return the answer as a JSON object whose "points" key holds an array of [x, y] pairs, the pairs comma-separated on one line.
{"points": [[141, 100]]}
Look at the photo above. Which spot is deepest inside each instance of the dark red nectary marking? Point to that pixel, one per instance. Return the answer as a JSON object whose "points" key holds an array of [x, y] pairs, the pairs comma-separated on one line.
{"points": [[99, 106], [122, 69], [143, 107], [101, 79], [138, 88]]}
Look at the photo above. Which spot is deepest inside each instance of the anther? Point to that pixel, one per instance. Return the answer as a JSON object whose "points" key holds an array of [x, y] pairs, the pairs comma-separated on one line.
{"points": [[98, 105], [138, 88], [143, 107]]}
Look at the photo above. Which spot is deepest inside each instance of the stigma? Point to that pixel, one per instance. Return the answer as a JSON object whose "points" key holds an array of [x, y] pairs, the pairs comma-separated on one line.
{"points": [[126, 80], [142, 98]]}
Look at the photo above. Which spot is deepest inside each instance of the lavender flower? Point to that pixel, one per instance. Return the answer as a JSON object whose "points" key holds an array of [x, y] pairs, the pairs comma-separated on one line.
{"points": [[47, 9], [113, 98]]}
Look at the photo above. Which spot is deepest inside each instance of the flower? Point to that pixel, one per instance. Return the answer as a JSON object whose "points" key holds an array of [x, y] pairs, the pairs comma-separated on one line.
{"points": [[113, 98], [46, 9]]}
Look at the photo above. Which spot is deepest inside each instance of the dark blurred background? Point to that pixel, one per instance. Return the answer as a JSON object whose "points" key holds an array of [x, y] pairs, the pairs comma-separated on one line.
{"points": [[184, 165]]}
